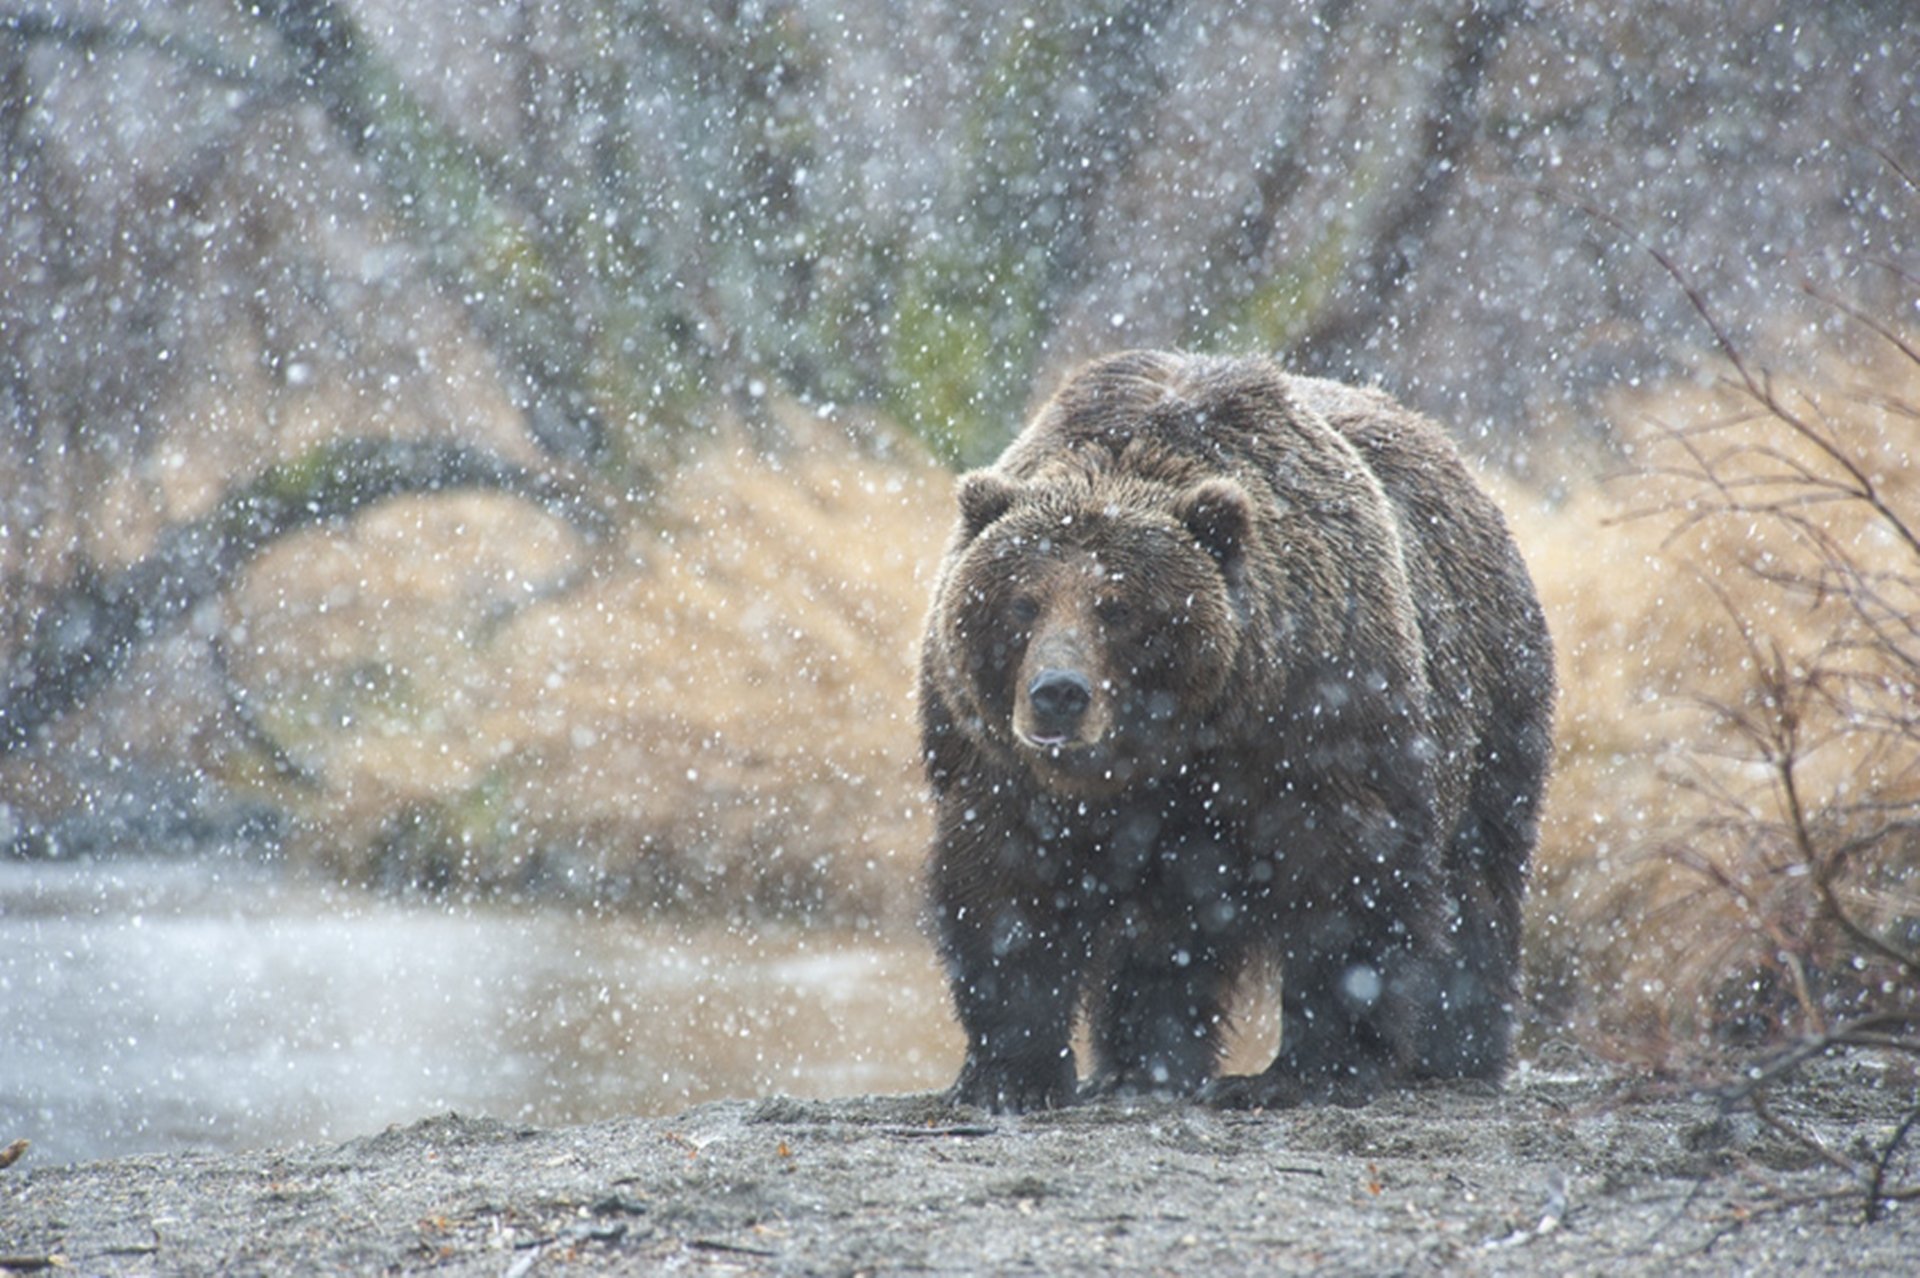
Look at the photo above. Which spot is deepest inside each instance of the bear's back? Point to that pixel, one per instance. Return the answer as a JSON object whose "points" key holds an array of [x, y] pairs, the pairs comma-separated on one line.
{"points": [[1489, 658]]}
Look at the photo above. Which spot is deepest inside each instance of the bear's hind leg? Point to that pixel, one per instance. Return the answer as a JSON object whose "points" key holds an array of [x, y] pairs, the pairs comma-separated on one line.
{"points": [[1348, 1008], [1467, 1029]]}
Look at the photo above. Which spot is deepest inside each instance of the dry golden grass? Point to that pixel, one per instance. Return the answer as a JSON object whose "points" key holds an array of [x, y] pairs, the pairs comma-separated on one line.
{"points": [[715, 712]]}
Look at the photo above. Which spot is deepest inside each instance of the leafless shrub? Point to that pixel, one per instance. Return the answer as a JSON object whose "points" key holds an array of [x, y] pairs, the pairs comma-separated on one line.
{"points": [[1802, 771]]}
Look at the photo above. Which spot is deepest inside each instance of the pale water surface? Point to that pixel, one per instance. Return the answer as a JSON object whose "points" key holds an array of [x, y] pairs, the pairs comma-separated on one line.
{"points": [[158, 1007]]}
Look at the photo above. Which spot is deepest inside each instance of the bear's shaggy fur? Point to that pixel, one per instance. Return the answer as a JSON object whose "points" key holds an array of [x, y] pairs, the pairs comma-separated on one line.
{"points": [[1228, 666]]}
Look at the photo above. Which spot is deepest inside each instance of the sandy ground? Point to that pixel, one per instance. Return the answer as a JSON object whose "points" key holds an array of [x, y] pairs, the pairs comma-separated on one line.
{"points": [[1555, 1173]]}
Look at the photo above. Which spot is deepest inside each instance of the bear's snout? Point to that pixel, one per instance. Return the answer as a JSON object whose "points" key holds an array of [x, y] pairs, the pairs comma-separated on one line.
{"points": [[1059, 699]]}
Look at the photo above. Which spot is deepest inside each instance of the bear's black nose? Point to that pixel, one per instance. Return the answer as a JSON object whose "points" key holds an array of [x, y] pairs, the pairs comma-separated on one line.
{"points": [[1059, 698]]}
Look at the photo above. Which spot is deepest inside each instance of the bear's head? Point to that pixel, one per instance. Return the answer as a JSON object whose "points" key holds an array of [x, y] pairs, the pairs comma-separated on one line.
{"points": [[1089, 627]]}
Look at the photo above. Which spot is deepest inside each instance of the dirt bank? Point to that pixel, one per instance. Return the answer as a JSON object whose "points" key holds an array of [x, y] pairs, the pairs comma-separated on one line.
{"points": [[1553, 1174]]}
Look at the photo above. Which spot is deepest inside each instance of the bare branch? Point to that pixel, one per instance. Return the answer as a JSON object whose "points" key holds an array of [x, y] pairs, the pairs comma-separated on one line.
{"points": [[1877, 1193], [88, 635]]}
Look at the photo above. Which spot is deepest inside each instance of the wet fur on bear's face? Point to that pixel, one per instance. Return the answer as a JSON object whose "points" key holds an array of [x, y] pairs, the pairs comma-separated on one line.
{"points": [[1095, 631]]}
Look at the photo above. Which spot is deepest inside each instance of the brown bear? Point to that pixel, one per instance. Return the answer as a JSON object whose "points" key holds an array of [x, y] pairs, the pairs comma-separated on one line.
{"points": [[1230, 668]]}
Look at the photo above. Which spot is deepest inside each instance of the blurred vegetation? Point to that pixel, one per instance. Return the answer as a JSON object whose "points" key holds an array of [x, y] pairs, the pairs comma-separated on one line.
{"points": [[665, 320]]}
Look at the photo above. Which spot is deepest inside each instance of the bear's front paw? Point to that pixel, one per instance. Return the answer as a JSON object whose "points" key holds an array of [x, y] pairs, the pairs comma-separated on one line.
{"points": [[1017, 1086]]}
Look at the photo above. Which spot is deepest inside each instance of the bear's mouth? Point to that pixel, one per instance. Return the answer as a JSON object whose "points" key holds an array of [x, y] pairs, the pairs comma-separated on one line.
{"points": [[1051, 744], [1091, 765], [1055, 745]]}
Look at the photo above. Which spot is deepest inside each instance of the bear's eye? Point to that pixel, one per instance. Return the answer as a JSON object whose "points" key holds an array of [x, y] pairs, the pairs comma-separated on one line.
{"points": [[1113, 612], [1024, 610]]}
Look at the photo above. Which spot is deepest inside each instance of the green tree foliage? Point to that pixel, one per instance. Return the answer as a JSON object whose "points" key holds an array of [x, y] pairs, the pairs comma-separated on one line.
{"points": [[1057, 115]]}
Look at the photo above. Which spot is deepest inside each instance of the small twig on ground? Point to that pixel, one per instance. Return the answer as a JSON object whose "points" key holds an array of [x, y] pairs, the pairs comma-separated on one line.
{"points": [[1812, 1144], [921, 1133]]}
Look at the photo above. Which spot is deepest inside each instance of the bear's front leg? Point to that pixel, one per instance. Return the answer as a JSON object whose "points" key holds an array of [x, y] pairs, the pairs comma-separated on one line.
{"points": [[1014, 964], [1015, 988]]}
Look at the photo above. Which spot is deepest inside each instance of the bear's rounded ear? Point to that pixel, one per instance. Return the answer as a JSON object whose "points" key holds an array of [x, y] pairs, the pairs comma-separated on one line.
{"points": [[1219, 514], [984, 495]]}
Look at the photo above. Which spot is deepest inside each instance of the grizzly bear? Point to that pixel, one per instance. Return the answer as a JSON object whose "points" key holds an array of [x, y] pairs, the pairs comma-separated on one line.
{"points": [[1228, 670]]}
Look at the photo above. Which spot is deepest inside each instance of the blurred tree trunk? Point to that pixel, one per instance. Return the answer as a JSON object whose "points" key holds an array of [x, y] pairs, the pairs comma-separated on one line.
{"points": [[1321, 308], [1235, 259], [475, 245], [1362, 308], [90, 630]]}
